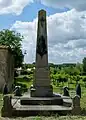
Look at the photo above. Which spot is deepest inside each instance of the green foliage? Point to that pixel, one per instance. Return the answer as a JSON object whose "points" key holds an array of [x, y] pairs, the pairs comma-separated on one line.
{"points": [[20, 81], [23, 86], [72, 70], [51, 65], [26, 72], [84, 65], [13, 41], [25, 66], [62, 78], [80, 67], [84, 80], [78, 78]]}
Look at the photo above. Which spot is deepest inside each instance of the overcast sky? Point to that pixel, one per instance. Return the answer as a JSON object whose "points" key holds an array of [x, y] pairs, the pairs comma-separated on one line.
{"points": [[66, 26]]}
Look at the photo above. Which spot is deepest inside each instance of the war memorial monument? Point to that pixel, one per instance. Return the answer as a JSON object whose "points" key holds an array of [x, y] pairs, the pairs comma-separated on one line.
{"points": [[41, 98]]}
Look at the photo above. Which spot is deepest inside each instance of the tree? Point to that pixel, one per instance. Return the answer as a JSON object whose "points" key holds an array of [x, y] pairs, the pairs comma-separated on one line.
{"points": [[79, 66], [77, 79], [61, 78], [84, 65], [13, 41], [84, 80]]}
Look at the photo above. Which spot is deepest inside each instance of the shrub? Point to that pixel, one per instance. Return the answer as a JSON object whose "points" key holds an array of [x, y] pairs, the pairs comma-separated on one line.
{"points": [[84, 80], [25, 78], [23, 86], [24, 72]]}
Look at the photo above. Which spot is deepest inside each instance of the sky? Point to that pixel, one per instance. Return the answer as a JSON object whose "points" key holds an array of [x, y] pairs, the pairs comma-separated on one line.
{"points": [[66, 27]]}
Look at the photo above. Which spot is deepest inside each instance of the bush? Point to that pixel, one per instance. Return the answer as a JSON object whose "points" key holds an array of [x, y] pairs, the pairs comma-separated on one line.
{"points": [[62, 78], [26, 72], [25, 78], [84, 80], [19, 79], [23, 86]]}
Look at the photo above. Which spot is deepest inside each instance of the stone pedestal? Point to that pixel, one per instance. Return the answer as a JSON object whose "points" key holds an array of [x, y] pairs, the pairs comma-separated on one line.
{"points": [[76, 109], [41, 84], [6, 110], [42, 91]]}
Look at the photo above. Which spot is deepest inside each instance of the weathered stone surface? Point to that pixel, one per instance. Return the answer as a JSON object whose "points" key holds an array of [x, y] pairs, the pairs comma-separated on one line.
{"points": [[42, 101], [5, 89], [41, 84], [76, 109], [27, 106], [78, 90], [17, 91], [6, 110], [29, 110], [66, 92], [6, 67]]}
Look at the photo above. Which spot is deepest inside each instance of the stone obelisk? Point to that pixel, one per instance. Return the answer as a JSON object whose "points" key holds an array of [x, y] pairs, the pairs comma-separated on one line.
{"points": [[41, 83]]}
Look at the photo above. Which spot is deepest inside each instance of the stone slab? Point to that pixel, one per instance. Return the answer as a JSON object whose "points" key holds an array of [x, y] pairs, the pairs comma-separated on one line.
{"points": [[42, 107], [42, 100]]}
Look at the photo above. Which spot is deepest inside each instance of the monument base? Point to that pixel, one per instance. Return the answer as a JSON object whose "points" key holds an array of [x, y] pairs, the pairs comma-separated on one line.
{"points": [[41, 91], [57, 100]]}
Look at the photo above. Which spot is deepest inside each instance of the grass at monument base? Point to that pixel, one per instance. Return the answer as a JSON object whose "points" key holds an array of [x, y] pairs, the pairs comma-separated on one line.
{"points": [[48, 118]]}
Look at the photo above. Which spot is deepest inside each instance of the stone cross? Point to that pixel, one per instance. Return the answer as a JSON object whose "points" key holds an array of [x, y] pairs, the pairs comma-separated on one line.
{"points": [[42, 84]]}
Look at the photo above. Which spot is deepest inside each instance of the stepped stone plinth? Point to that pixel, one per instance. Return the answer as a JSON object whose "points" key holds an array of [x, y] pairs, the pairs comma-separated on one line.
{"points": [[42, 84]]}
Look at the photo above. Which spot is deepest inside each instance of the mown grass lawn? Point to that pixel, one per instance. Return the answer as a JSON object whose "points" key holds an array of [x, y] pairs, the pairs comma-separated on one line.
{"points": [[47, 118]]}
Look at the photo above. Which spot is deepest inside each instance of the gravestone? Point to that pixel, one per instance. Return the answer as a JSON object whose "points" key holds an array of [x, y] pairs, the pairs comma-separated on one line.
{"points": [[76, 109], [42, 84]]}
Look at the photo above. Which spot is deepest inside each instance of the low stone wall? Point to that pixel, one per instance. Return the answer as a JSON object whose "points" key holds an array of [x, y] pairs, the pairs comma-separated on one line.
{"points": [[6, 67]]}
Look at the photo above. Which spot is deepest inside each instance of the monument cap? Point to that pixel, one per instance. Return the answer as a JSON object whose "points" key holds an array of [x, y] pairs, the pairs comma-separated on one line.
{"points": [[42, 13]]}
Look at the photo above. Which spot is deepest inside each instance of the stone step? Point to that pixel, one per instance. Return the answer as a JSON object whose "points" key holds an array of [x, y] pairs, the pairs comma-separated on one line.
{"points": [[41, 101], [67, 102], [26, 101], [28, 110]]}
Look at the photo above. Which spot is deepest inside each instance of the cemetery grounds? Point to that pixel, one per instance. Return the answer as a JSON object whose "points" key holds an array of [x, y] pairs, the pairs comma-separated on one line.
{"points": [[57, 89]]}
